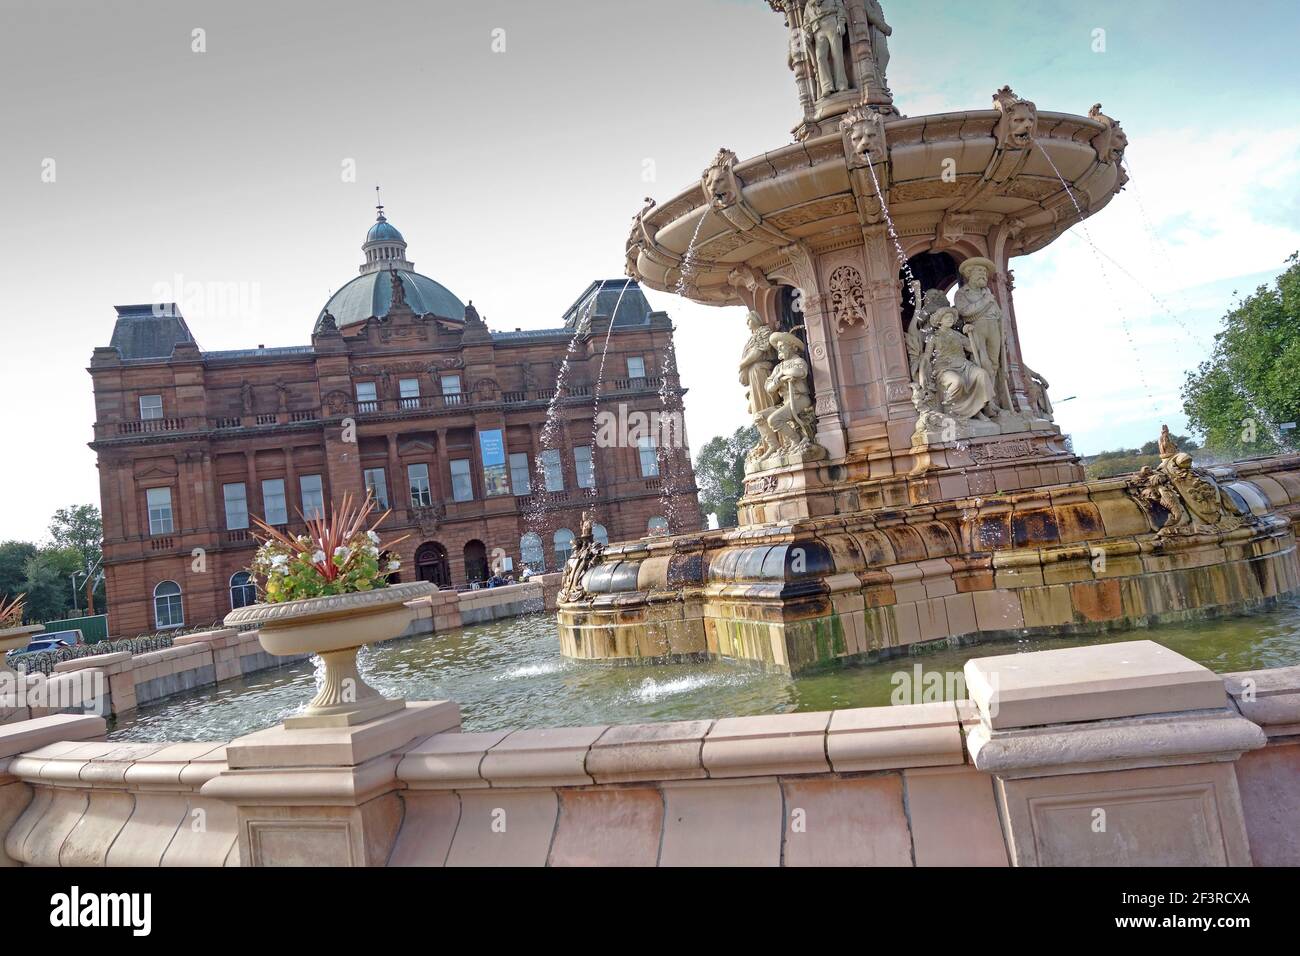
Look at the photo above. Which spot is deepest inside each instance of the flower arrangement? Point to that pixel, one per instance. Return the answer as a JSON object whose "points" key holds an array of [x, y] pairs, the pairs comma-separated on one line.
{"points": [[339, 554], [11, 611]]}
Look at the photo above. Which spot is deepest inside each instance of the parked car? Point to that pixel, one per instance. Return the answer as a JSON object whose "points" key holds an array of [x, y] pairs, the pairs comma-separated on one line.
{"points": [[52, 641]]}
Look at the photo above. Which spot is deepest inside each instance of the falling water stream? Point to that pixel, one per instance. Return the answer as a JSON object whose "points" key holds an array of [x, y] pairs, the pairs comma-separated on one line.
{"points": [[1260, 417]]}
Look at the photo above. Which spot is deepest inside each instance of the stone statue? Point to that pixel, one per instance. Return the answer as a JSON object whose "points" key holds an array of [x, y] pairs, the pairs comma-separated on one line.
{"points": [[1111, 142], [246, 398], [824, 23], [587, 554], [791, 419], [979, 309], [1019, 122], [1192, 499], [1037, 388], [282, 394], [721, 187], [964, 387], [880, 32], [756, 361], [864, 129], [921, 327]]}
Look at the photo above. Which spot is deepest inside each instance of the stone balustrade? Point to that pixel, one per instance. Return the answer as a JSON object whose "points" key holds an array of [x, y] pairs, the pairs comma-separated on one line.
{"points": [[117, 684], [1119, 754]]}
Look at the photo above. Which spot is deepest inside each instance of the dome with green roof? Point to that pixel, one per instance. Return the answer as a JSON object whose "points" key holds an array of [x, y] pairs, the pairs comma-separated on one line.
{"points": [[371, 293]]}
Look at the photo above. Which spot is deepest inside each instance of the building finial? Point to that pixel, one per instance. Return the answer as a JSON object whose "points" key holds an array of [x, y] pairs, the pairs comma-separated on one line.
{"points": [[379, 207]]}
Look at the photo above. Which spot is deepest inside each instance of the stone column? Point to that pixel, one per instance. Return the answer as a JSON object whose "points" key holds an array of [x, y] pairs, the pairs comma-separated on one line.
{"points": [[392, 476], [325, 796], [253, 491], [441, 483], [292, 492], [1119, 755]]}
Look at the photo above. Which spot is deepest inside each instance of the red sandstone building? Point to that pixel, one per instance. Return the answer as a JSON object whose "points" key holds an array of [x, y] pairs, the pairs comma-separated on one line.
{"points": [[403, 391]]}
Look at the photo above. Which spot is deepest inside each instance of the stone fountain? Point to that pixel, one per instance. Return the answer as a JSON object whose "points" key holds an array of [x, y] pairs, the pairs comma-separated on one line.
{"points": [[910, 483]]}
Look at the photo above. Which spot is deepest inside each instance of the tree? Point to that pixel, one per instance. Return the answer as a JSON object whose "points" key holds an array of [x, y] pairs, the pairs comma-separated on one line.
{"points": [[81, 529], [48, 583], [1251, 382], [13, 566], [720, 473]]}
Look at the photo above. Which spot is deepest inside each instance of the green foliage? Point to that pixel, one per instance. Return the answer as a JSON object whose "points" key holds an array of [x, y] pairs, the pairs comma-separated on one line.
{"points": [[1126, 461], [720, 473], [1252, 374], [337, 555], [44, 571], [14, 556], [80, 528], [49, 582]]}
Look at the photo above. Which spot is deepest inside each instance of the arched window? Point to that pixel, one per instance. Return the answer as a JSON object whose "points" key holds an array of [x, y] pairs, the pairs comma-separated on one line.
{"points": [[563, 546], [600, 534], [242, 590], [532, 553], [658, 525], [167, 610]]}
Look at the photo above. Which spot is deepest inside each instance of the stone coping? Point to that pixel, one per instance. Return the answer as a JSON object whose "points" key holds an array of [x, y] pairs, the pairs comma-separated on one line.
{"points": [[1078, 684], [423, 749], [875, 738]]}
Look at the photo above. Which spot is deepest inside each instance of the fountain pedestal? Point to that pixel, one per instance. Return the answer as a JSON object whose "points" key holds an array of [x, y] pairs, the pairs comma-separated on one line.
{"points": [[323, 796]]}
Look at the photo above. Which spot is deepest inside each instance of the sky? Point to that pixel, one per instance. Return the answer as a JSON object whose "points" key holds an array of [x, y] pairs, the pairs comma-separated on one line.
{"points": [[515, 140]]}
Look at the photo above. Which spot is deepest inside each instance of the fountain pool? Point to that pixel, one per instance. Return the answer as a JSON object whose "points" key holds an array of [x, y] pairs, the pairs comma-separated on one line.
{"points": [[508, 674]]}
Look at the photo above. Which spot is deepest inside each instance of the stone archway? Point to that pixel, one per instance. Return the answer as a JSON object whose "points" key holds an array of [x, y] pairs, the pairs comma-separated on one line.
{"points": [[431, 564], [934, 270]]}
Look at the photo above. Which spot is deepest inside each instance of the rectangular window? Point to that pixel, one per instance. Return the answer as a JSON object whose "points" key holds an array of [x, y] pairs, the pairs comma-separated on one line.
{"points": [[150, 407], [451, 390], [636, 367], [313, 496], [462, 486], [582, 465], [236, 505], [367, 397], [520, 480], [377, 487], [409, 389], [160, 510], [649, 457], [418, 476], [554, 469], [273, 504], [492, 452]]}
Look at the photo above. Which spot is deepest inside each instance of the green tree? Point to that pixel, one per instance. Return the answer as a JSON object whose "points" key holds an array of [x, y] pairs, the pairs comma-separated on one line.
{"points": [[1251, 382], [14, 556], [48, 583], [720, 473], [80, 528]]}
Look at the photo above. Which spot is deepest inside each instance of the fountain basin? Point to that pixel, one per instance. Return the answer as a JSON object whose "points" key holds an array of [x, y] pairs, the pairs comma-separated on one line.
{"points": [[943, 175], [796, 596]]}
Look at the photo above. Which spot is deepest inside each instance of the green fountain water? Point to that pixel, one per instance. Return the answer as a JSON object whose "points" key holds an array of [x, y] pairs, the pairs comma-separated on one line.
{"points": [[508, 674]]}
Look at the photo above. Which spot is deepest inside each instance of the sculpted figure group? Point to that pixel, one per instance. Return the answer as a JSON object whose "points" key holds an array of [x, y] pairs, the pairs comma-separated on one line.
{"points": [[958, 355], [1193, 502], [587, 553], [775, 376]]}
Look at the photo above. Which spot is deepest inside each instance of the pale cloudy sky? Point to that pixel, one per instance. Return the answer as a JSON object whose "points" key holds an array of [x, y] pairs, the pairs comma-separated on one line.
{"points": [[514, 175]]}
